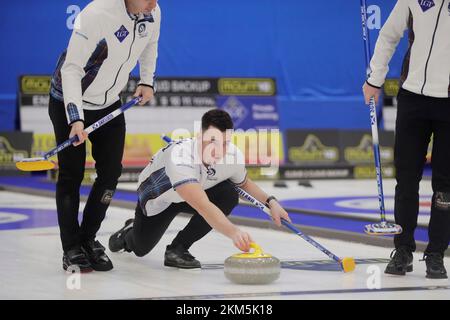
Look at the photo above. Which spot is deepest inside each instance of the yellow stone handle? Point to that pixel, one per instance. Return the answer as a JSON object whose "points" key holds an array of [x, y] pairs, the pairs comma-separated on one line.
{"points": [[257, 253], [258, 250]]}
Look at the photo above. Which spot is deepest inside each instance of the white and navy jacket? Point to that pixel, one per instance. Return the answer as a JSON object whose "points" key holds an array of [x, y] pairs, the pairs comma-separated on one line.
{"points": [[180, 163], [426, 67], [106, 44]]}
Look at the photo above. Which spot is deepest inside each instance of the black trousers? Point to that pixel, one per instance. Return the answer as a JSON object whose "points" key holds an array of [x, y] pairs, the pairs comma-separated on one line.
{"points": [[147, 231], [107, 150], [418, 118]]}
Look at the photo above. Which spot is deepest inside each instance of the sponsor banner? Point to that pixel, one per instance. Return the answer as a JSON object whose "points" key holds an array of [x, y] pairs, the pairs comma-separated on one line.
{"points": [[128, 175], [139, 148], [193, 86], [247, 87], [251, 112], [325, 154], [391, 88], [34, 90], [42, 142], [313, 148], [263, 153], [369, 172], [256, 173], [357, 147], [14, 146], [178, 86], [176, 92], [389, 98], [34, 100], [263, 148], [328, 172], [325, 147], [35, 84], [336, 172]]}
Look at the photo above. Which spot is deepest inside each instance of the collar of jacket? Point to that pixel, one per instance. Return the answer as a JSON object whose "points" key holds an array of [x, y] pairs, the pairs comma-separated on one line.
{"points": [[140, 17], [125, 9]]}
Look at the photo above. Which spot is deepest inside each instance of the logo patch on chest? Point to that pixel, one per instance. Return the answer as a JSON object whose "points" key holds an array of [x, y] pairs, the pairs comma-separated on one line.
{"points": [[211, 172], [426, 4], [122, 33], [142, 29]]}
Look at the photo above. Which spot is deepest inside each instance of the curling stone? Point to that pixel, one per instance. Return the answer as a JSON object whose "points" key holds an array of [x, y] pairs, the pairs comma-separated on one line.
{"points": [[252, 268]]}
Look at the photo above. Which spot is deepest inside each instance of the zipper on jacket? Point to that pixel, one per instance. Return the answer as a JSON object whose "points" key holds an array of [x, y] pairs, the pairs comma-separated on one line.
{"points": [[431, 48], [129, 55]]}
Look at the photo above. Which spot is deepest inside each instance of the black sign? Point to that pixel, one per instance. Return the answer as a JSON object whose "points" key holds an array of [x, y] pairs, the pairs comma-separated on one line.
{"points": [[325, 172], [170, 92]]}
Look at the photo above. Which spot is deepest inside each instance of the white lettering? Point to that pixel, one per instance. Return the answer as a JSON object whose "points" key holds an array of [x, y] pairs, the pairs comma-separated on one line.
{"points": [[74, 11]]}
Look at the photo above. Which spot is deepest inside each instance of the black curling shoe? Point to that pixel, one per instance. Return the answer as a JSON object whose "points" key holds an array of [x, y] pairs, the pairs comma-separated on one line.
{"points": [[75, 260], [177, 256], [117, 240], [401, 262], [96, 255], [435, 266]]}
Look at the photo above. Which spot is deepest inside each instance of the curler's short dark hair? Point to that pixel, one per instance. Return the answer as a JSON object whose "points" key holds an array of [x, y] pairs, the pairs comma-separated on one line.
{"points": [[218, 119]]}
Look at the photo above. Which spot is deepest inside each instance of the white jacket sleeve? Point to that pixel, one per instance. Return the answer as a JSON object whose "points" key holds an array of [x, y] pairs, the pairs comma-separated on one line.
{"points": [[85, 38], [147, 60], [387, 42]]}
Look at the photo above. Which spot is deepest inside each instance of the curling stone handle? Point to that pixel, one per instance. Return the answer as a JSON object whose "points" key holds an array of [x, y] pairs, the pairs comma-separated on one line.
{"points": [[258, 249]]}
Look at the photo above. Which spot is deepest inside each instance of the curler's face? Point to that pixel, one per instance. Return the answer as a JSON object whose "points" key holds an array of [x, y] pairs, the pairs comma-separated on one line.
{"points": [[214, 145], [142, 6]]}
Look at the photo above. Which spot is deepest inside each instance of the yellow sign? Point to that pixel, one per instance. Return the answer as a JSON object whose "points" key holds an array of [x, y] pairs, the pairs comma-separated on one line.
{"points": [[262, 151], [246, 87], [42, 142], [35, 84], [8, 155], [391, 87], [368, 172], [313, 151], [139, 148], [364, 151]]}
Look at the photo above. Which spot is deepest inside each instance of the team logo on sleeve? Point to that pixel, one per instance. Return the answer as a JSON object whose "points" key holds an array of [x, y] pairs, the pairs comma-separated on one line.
{"points": [[107, 196], [122, 33], [426, 4]]}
